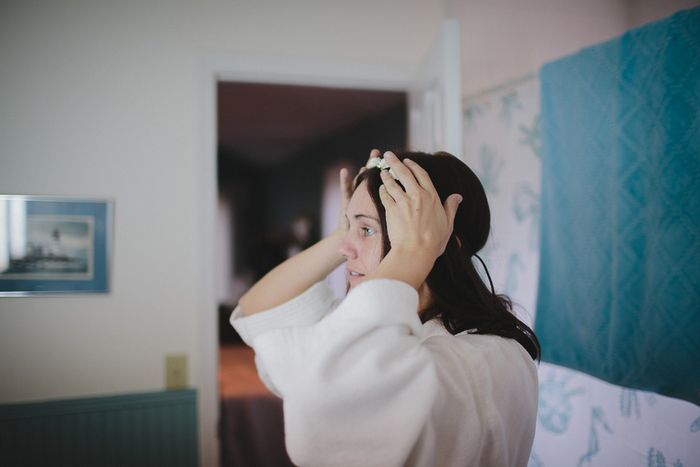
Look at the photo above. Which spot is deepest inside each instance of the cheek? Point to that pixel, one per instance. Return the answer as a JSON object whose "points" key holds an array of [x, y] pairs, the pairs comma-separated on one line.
{"points": [[374, 254]]}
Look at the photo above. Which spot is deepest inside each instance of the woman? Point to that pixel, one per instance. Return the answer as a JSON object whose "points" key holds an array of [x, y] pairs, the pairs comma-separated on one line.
{"points": [[421, 364]]}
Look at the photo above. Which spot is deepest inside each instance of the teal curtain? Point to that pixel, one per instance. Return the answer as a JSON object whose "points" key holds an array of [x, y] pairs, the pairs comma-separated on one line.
{"points": [[619, 286]]}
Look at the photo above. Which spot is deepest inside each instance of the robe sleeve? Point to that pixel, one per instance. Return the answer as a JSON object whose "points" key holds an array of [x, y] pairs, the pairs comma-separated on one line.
{"points": [[358, 386], [305, 309]]}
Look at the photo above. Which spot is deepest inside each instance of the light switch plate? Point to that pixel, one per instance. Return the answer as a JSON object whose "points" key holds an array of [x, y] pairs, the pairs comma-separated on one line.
{"points": [[176, 371]]}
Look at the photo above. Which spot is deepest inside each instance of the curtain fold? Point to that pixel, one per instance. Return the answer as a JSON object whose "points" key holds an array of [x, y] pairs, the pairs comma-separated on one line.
{"points": [[619, 282]]}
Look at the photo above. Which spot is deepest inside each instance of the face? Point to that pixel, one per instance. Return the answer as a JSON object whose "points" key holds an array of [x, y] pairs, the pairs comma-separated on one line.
{"points": [[362, 245]]}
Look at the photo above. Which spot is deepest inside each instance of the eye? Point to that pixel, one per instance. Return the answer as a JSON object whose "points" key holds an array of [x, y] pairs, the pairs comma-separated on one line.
{"points": [[367, 231]]}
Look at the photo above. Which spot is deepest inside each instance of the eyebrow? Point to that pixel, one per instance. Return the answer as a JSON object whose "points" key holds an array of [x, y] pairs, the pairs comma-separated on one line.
{"points": [[365, 216], [359, 216]]}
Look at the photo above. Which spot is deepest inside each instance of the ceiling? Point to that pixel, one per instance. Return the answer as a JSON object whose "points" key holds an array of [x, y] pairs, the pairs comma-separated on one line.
{"points": [[264, 123]]}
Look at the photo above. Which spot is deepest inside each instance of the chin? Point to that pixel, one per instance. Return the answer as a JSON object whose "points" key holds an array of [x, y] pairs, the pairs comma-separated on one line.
{"points": [[354, 283]]}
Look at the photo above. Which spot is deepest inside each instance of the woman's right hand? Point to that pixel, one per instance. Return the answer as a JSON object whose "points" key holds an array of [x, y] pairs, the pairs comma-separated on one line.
{"points": [[419, 225], [416, 218]]}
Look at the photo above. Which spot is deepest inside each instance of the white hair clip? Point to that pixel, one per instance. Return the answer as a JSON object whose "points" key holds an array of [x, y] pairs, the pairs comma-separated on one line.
{"points": [[381, 164]]}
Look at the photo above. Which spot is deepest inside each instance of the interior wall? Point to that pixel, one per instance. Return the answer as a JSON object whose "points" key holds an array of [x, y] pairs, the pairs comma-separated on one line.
{"points": [[645, 11], [504, 40], [98, 99]]}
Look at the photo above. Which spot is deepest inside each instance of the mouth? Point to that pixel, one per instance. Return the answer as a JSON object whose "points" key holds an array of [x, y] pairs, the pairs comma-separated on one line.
{"points": [[354, 275]]}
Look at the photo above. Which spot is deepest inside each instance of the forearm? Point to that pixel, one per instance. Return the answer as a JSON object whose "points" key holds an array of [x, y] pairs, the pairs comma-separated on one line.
{"points": [[293, 276]]}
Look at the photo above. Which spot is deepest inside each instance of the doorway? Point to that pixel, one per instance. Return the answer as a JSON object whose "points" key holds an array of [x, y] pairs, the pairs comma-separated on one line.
{"points": [[279, 151], [434, 120]]}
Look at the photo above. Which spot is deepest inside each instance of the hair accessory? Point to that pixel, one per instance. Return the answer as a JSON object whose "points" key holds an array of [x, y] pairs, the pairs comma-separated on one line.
{"points": [[381, 164], [487, 273]]}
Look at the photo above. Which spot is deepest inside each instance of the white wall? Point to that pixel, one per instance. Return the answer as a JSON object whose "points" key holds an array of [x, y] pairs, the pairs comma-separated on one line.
{"points": [[98, 99], [645, 11], [503, 40]]}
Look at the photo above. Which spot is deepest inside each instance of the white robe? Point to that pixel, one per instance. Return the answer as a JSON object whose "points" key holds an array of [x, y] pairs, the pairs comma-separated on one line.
{"points": [[364, 383]]}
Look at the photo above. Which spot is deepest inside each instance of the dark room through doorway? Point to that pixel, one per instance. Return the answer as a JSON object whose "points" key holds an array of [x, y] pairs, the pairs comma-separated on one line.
{"points": [[279, 151]]}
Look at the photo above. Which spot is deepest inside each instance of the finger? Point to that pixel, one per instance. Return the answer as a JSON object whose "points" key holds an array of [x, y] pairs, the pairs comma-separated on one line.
{"points": [[451, 205], [391, 186], [402, 172], [345, 187], [420, 174], [387, 200], [374, 153]]}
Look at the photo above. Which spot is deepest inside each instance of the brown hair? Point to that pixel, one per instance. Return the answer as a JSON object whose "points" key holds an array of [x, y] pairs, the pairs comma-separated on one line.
{"points": [[460, 299]]}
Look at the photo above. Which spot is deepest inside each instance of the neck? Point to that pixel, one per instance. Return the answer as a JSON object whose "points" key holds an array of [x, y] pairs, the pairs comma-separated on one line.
{"points": [[425, 297]]}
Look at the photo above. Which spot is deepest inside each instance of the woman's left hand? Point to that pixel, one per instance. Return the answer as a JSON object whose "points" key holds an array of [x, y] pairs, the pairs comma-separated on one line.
{"points": [[417, 221]]}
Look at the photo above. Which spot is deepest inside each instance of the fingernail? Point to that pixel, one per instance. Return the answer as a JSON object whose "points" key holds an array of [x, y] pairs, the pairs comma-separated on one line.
{"points": [[388, 155], [407, 160], [459, 199]]}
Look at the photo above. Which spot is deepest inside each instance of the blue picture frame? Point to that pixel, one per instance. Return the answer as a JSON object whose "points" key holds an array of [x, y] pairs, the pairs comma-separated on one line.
{"points": [[54, 245]]}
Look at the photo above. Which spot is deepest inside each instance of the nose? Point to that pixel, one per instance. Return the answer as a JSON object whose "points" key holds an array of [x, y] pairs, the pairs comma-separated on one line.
{"points": [[346, 248]]}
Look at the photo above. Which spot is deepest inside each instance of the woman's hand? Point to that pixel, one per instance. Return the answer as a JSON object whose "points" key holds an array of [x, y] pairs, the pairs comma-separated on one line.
{"points": [[417, 222]]}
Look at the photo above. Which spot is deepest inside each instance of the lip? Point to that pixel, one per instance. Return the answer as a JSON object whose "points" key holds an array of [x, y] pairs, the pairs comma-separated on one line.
{"points": [[354, 275]]}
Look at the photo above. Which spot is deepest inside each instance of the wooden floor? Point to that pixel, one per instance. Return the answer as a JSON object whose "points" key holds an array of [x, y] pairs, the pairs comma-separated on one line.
{"points": [[238, 375], [252, 420]]}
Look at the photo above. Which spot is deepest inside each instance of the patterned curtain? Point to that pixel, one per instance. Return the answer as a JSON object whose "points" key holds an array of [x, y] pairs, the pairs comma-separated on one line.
{"points": [[582, 421]]}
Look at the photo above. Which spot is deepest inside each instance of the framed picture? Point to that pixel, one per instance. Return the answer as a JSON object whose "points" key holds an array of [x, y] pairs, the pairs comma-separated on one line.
{"points": [[54, 245]]}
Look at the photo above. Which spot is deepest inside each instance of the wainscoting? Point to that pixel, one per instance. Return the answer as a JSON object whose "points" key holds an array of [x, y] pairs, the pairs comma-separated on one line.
{"points": [[151, 429]]}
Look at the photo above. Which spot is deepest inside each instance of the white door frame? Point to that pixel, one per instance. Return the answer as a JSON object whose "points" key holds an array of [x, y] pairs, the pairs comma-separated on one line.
{"points": [[212, 68]]}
